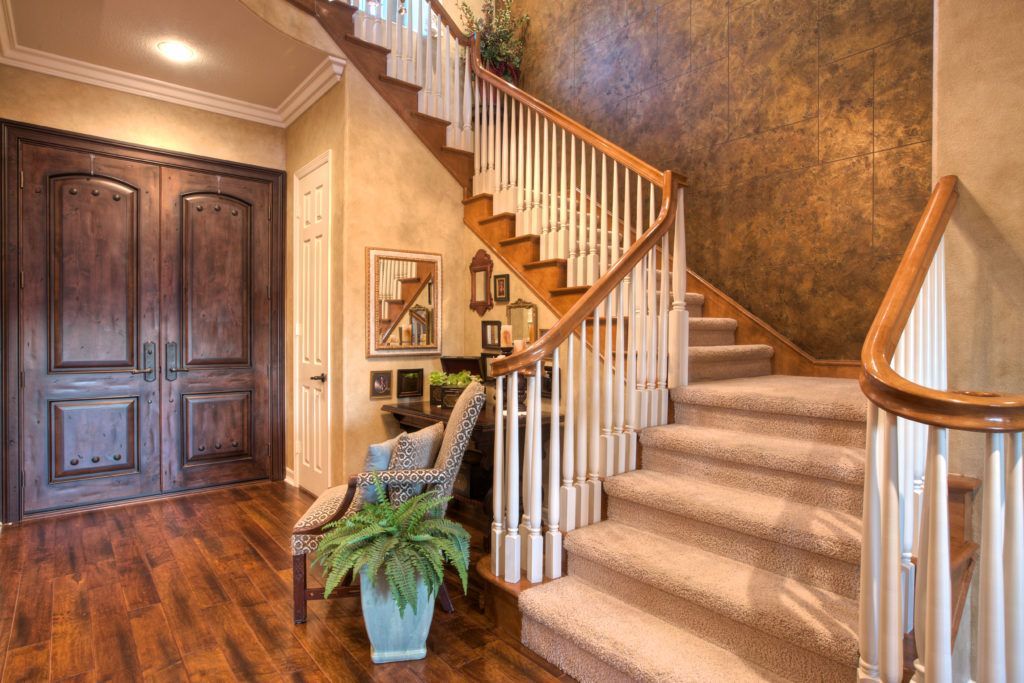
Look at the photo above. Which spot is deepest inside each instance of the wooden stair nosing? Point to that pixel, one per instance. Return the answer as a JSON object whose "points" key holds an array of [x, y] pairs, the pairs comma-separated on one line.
{"points": [[569, 291], [511, 241], [431, 119], [497, 218], [359, 42], [399, 83], [458, 152], [560, 263]]}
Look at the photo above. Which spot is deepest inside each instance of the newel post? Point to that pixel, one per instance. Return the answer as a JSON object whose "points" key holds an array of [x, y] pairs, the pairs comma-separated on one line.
{"points": [[679, 317]]}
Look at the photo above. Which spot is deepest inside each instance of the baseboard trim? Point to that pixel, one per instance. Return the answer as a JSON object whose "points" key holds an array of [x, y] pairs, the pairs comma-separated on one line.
{"points": [[289, 476]]}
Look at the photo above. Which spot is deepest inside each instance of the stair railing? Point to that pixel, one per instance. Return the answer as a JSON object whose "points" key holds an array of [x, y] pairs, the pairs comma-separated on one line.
{"points": [[906, 481], [617, 222]]}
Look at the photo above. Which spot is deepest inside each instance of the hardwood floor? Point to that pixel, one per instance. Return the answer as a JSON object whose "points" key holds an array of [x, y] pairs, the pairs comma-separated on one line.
{"points": [[198, 588]]}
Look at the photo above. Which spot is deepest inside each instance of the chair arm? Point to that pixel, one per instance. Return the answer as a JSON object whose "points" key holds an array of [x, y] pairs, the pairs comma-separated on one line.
{"points": [[346, 503]]}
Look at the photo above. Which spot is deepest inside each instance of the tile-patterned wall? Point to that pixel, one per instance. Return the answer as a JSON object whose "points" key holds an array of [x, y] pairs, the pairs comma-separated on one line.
{"points": [[803, 127]]}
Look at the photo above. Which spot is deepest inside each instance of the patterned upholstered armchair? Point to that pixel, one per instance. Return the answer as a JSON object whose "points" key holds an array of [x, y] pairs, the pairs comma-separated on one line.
{"points": [[402, 480]]}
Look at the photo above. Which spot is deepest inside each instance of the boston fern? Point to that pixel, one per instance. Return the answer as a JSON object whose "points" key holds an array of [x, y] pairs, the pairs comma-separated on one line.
{"points": [[408, 541]]}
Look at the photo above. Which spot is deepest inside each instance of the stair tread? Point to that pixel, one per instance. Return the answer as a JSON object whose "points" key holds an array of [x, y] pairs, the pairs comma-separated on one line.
{"points": [[643, 646], [545, 263], [709, 324], [813, 618], [798, 456], [730, 353], [400, 83], [519, 238], [367, 44], [823, 531], [817, 397]]}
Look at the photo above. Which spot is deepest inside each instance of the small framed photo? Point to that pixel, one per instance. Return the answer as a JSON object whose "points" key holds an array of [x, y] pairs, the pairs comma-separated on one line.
{"points": [[490, 334], [501, 289], [410, 383], [380, 383]]}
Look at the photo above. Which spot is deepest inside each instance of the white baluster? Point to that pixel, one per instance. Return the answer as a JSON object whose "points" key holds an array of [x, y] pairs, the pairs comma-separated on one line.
{"points": [[870, 553], [602, 255], [596, 467], [630, 314], [446, 81], [991, 607], [679, 318], [568, 497], [511, 203], [538, 162], [552, 193], [478, 147], [618, 429], [501, 195], [592, 256], [934, 603], [527, 477], [528, 226], [493, 142], [553, 537], [662, 393], [582, 435], [520, 171], [608, 444], [563, 221], [513, 568], [1013, 559], [581, 237], [890, 603], [545, 186], [498, 485], [467, 103], [409, 68], [572, 269], [535, 570], [651, 381]]}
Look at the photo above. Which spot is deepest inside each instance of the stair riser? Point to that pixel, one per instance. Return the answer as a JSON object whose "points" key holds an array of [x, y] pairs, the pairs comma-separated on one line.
{"points": [[520, 253], [496, 230], [712, 337], [838, 432], [791, 486], [695, 310], [811, 568], [569, 657], [700, 371], [750, 643]]}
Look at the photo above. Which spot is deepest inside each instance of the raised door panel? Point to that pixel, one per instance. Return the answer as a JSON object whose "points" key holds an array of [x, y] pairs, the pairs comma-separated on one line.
{"points": [[89, 420], [216, 256], [215, 293], [93, 271]]}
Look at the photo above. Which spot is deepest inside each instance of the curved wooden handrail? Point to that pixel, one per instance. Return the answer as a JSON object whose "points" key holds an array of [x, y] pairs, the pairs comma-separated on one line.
{"points": [[965, 410], [599, 291]]}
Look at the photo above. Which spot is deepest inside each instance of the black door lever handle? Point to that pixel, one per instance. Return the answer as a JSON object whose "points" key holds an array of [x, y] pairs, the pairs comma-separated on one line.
{"points": [[322, 377]]}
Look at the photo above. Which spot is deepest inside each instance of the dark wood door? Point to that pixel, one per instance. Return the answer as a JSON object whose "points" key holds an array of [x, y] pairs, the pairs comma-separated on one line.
{"points": [[216, 346], [89, 254]]}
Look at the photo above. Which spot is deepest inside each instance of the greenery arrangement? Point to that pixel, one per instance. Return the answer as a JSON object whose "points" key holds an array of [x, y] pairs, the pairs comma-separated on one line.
{"points": [[453, 379], [410, 541], [502, 36]]}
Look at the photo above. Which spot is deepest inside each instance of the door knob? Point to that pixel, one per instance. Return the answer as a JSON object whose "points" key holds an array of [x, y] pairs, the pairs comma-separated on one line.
{"points": [[322, 377], [148, 362]]}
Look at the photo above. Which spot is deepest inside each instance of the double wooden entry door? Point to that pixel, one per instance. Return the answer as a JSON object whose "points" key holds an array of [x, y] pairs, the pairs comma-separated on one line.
{"points": [[145, 313]]}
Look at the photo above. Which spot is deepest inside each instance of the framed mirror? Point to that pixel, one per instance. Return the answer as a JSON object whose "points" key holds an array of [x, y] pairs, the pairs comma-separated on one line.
{"points": [[522, 316], [403, 303], [480, 289]]}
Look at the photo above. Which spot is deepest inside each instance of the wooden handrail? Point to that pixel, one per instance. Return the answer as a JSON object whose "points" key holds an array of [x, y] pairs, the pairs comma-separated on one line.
{"points": [[965, 410], [599, 291]]}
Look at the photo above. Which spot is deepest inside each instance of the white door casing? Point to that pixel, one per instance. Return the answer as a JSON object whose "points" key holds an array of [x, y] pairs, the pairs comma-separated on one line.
{"points": [[312, 277]]}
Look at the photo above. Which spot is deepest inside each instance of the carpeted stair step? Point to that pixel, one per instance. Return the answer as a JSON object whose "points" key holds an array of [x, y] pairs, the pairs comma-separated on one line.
{"points": [[694, 304], [712, 331], [596, 637], [814, 545], [811, 408], [805, 471], [798, 631], [728, 362]]}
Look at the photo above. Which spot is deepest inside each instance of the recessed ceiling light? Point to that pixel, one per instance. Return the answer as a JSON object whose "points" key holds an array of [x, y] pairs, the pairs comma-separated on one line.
{"points": [[176, 51]]}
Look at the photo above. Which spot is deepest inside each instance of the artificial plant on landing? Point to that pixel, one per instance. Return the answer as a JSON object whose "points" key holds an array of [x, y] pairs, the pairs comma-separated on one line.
{"points": [[399, 553], [502, 36]]}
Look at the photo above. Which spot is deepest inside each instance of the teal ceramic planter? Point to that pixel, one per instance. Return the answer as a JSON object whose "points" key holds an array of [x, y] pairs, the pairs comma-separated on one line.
{"points": [[394, 638]]}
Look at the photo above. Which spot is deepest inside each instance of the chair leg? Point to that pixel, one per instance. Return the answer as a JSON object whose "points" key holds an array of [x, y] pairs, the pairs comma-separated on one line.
{"points": [[445, 599], [299, 587]]}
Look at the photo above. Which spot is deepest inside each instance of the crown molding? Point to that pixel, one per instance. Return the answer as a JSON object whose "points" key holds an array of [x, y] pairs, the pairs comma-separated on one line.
{"points": [[319, 81]]}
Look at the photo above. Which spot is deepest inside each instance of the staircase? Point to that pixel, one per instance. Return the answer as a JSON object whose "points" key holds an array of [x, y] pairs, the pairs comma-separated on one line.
{"points": [[721, 545]]}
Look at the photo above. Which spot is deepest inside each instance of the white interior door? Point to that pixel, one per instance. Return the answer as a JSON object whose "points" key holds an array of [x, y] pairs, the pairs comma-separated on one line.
{"points": [[312, 329]]}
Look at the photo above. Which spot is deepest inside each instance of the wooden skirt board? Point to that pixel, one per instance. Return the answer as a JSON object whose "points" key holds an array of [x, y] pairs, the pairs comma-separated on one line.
{"points": [[142, 320]]}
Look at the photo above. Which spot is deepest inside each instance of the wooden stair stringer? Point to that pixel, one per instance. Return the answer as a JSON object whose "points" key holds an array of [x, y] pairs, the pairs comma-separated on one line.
{"points": [[371, 61]]}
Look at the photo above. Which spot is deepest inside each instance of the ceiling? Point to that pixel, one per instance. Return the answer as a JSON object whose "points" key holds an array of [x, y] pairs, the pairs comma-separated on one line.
{"points": [[244, 67]]}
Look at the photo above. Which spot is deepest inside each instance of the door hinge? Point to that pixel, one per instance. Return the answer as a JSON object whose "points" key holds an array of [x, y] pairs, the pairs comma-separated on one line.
{"points": [[21, 279], [21, 179]]}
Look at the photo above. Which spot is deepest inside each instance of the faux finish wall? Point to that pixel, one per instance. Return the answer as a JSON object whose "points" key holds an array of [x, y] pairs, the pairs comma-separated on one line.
{"points": [[31, 97], [803, 128], [979, 136]]}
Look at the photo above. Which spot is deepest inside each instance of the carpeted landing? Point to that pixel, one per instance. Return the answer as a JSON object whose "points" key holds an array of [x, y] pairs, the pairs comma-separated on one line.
{"points": [[733, 554]]}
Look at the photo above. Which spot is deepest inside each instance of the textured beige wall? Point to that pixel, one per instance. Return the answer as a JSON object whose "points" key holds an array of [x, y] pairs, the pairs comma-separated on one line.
{"points": [[32, 97], [979, 136]]}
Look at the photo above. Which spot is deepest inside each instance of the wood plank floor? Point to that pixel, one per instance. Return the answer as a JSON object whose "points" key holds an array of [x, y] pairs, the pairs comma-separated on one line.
{"points": [[198, 588]]}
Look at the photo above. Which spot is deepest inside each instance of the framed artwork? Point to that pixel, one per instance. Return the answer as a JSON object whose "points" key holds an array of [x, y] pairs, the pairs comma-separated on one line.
{"points": [[410, 383], [501, 289], [380, 383], [490, 334]]}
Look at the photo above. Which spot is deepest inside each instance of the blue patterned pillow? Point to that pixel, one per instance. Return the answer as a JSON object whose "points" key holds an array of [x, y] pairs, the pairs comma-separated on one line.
{"points": [[378, 457], [414, 451]]}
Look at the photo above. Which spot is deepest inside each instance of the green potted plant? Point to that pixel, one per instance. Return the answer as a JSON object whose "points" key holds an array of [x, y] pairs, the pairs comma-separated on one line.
{"points": [[502, 36], [437, 387], [399, 553], [454, 384]]}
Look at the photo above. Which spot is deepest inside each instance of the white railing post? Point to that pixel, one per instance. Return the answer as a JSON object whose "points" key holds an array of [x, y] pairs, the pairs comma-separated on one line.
{"points": [[582, 435], [513, 568], [991, 607], [568, 497], [553, 537], [572, 268], [890, 603], [498, 485], [934, 603], [535, 570], [870, 554], [595, 468], [679, 317], [1013, 558]]}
